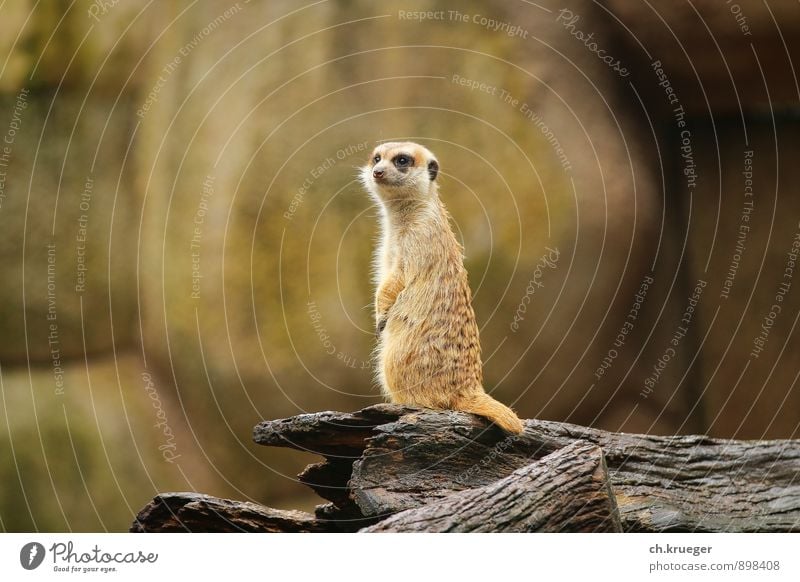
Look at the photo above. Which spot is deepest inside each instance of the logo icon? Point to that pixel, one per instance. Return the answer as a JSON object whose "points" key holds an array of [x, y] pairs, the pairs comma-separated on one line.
{"points": [[31, 555]]}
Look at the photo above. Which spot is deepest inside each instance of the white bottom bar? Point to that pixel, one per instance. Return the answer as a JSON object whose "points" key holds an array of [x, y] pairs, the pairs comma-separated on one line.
{"points": [[402, 557]]}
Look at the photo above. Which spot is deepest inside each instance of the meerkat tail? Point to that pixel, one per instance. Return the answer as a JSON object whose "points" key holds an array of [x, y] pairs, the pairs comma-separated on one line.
{"points": [[484, 405]]}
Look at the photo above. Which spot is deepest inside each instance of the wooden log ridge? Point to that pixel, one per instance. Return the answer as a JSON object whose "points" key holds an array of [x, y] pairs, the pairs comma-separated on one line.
{"points": [[567, 490], [186, 512], [395, 468]]}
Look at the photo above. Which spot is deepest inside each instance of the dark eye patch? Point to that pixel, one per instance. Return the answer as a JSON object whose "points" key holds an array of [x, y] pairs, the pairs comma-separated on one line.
{"points": [[403, 161], [377, 158]]}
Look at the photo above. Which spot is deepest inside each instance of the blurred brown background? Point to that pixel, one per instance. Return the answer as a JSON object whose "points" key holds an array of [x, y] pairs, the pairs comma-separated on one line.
{"points": [[186, 251]]}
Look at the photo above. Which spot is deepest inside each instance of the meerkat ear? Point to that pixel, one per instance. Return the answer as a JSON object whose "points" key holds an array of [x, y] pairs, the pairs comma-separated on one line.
{"points": [[433, 169]]}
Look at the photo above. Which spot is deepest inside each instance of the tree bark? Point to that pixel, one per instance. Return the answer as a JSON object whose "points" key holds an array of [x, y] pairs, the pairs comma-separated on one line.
{"points": [[411, 457], [448, 471], [567, 491], [195, 512]]}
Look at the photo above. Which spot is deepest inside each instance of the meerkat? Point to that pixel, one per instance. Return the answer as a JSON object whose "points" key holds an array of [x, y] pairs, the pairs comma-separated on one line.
{"points": [[428, 351]]}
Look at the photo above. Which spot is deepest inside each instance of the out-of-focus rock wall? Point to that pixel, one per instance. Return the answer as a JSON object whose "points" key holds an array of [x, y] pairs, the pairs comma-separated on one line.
{"points": [[732, 68]]}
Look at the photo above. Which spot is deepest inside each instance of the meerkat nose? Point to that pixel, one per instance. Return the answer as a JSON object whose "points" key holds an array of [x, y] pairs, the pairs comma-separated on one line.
{"points": [[377, 173]]}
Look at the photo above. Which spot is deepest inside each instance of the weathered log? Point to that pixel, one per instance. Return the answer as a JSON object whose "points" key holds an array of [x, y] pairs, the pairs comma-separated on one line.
{"points": [[341, 438], [450, 471], [566, 491], [404, 458], [195, 512], [334, 434]]}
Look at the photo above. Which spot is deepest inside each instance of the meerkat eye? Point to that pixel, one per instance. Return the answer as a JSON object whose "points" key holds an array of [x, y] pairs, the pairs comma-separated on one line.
{"points": [[402, 161], [376, 159]]}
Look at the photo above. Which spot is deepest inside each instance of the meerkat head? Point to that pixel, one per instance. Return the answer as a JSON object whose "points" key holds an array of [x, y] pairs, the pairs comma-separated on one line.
{"points": [[399, 171]]}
